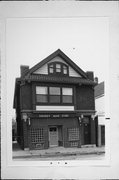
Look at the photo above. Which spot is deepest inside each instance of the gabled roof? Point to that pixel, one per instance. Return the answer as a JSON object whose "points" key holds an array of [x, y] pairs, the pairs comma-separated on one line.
{"points": [[64, 57]]}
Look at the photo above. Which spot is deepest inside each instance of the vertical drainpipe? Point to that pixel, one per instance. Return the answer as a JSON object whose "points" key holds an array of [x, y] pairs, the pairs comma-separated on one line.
{"points": [[79, 122], [93, 140]]}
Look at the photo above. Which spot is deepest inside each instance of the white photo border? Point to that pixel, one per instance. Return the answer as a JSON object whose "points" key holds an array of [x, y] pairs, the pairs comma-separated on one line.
{"points": [[58, 169]]}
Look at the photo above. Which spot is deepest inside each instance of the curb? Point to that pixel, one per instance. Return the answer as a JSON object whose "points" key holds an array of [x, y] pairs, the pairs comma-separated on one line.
{"points": [[57, 155]]}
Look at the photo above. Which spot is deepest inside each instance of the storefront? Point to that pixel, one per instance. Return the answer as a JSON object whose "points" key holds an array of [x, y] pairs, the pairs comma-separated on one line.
{"points": [[60, 129]]}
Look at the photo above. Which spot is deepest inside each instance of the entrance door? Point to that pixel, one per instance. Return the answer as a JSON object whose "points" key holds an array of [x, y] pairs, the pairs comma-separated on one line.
{"points": [[53, 136], [86, 133], [86, 125]]}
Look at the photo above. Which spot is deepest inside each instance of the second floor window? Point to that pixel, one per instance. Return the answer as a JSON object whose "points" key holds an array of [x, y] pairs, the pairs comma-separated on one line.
{"points": [[41, 94], [67, 95], [54, 95]]}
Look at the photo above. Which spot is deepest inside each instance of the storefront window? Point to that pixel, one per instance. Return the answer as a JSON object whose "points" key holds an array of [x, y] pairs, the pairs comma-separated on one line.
{"points": [[37, 135]]}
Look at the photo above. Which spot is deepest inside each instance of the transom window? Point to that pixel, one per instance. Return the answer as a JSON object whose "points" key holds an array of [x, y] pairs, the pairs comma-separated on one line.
{"points": [[58, 68], [54, 95]]}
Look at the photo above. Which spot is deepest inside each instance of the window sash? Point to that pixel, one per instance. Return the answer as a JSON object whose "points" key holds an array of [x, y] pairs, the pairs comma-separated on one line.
{"points": [[41, 90], [67, 99], [41, 98], [51, 70], [65, 70], [67, 91], [54, 91], [54, 99], [58, 67]]}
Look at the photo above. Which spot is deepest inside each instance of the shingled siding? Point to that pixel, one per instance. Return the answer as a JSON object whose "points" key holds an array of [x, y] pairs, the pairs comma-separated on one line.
{"points": [[85, 98]]}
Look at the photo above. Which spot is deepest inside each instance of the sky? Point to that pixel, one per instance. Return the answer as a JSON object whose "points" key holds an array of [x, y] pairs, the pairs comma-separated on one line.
{"points": [[85, 40]]}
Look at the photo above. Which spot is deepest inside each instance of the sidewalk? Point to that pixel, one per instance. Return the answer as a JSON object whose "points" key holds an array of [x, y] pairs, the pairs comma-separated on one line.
{"points": [[57, 151]]}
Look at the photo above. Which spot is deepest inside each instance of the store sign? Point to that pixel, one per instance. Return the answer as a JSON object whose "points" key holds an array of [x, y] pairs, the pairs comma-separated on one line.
{"points": [[44, 115], [55, 115]]}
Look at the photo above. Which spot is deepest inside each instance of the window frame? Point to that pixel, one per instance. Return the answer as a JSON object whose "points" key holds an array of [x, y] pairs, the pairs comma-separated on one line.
{"points": [[48, 95], [59, 95], [62, 65]]}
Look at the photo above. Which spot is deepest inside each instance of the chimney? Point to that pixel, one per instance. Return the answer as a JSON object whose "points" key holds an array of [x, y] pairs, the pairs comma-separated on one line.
{"points": [[24, 69], [96, 80], [90, 75]]}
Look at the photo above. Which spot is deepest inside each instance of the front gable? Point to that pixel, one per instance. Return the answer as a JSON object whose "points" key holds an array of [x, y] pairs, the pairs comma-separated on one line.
{"points": [[60, 58], [44, 69]]}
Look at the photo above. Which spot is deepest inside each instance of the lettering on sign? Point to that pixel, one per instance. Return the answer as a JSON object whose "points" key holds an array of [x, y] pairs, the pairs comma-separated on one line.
{"points": [[56, 115], [44, 115], [65, 115]]}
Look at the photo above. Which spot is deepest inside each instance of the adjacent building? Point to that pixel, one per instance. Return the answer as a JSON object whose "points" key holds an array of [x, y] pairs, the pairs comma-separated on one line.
{"points": [[55, 104], [100, 113]]}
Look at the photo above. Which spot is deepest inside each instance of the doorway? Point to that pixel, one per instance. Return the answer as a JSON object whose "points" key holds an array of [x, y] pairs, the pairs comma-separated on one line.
{"points": [[86, 126], [53, 136]]}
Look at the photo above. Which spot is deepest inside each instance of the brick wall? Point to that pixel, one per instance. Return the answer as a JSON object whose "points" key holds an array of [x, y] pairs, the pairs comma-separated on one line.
{"points": [[85, 98]]}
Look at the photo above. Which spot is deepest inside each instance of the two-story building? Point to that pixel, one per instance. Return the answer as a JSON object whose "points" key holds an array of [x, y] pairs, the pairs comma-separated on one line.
{"points": [[55, 105]]}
